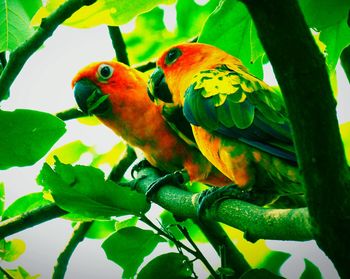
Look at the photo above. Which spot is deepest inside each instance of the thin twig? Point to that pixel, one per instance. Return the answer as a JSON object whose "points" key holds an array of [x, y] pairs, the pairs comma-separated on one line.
{"points": [[8, 275], [148, 222], [48, 25], [118, 44], [78, 235], [69, 114], [119, 170], [198, 253], [218, 238], [147, 66]]}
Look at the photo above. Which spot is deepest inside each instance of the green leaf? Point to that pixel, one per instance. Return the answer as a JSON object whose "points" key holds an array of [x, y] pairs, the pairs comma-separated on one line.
{"points": [[336, 38], [131, 222], [311, 271], [2, 198], [21, 273], [108, 12], [83, 190], [129, 246], [15, 18], [11, 250], [273, 261], [345, 134], [143, 42], [27, 135], [24, 204], [174, 265], [259, 274], [321, 14], [100, 229], [231, 28], [68, 153]]}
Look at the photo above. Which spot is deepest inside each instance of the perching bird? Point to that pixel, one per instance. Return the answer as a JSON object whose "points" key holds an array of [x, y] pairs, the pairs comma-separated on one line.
{"points": [[117, 95], [239, 122]]}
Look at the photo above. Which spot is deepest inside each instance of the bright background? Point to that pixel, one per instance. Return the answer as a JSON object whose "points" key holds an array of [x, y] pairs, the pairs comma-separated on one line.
{"points": [[44, 84]]}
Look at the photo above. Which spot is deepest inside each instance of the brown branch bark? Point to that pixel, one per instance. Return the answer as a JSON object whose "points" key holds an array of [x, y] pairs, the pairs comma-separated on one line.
{"points": [[302, 75]]}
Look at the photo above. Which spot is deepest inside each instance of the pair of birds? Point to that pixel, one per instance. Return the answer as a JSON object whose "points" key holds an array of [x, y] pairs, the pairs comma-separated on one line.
{"points": [[203, 113]]}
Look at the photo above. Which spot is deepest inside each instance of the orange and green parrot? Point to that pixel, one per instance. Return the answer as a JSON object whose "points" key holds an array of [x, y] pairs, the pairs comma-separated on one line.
{"points": [[117, 95], [239, 122]]}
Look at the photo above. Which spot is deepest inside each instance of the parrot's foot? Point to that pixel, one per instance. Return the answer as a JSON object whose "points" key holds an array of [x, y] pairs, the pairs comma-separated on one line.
{"points": [[139, 166], [133, 183], [215, 195], [176, 178]]}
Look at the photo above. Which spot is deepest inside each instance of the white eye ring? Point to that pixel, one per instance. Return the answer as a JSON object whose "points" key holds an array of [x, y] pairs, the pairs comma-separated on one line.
{"points": [[104, 72]]}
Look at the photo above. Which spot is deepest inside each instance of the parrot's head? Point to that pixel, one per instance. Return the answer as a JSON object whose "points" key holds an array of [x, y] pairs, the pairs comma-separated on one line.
{"points": [[179, 64], [101, 86]]}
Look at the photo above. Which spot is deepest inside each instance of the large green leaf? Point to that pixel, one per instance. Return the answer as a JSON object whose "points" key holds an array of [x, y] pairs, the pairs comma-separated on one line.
{"points": [[15, 18], [24, 204], [174, 265], [322, 14], [231, 28], [108, 12], [129, 246], [83, 190], [26, 136], [336, 38]]}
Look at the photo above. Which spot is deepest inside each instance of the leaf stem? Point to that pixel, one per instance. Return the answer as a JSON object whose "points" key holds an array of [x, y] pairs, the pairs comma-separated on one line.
{"points": [[8, 275], [161, 232], [198, 253]]}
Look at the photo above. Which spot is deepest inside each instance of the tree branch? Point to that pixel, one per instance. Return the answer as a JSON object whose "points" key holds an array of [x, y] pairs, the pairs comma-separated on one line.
{"points": [[48, 25], [60, 268], [218, 238], [302, 75], [30, 219], [147, 66], [69, 114], [255, 221], [345, 61], [118, 44], [119, 170]]}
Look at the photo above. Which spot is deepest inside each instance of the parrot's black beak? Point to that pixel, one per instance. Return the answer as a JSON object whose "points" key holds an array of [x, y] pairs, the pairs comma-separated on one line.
{"points": [[90, 99], [158, 88]]}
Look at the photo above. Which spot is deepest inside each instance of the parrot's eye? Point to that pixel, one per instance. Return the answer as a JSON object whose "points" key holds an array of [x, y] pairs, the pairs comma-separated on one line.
{"points": [[104, 72], [172, 56]]}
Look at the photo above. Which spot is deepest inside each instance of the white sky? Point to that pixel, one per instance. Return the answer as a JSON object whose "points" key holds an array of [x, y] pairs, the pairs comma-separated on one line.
{"points": [[44, 84]]}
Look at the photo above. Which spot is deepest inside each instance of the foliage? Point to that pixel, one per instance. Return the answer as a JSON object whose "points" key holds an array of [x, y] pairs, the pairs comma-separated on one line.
{"points": [[84, 191]]}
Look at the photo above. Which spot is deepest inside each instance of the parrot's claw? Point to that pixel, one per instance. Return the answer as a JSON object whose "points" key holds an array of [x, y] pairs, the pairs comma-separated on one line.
{"points": [[139, 166], [213, 196], [176, 178]]}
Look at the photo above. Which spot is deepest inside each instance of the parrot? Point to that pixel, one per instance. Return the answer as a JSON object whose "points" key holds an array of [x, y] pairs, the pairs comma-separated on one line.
{"points": [[239, 123], [117, 95]]}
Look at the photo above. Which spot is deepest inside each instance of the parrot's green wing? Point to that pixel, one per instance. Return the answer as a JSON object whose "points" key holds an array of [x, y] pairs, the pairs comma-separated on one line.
{"points": [[234, 103]]}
